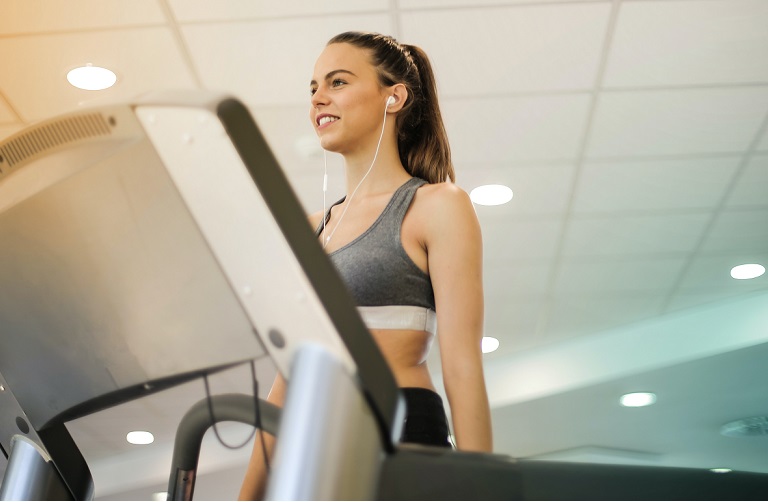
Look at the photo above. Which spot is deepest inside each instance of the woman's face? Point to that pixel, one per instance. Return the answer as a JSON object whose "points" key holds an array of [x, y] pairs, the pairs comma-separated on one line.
{"points": [[348, 102]]}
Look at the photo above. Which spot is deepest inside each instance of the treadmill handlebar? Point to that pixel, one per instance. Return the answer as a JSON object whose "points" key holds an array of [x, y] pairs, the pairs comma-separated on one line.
{"points": [[197, 421]]}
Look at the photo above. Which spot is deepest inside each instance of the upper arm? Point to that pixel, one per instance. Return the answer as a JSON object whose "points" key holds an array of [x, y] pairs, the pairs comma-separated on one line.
{"points": [[454, 254]]}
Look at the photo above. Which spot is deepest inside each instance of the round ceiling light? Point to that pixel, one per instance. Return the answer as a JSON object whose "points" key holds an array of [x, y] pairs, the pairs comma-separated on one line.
{"points": [[747, 271], [489, 344], [491, 195], [140, 437], [91, 78], [638, 399]]}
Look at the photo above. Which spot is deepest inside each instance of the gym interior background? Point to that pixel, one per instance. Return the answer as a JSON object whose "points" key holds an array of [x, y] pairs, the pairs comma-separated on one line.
{"points": [[632, 133]]}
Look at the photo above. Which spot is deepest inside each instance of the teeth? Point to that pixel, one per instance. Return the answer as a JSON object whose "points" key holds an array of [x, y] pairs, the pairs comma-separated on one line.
{"points": [[326, 119]]}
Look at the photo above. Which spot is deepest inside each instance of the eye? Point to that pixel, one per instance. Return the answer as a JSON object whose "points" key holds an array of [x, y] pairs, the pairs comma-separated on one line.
{"points": [[337, 82], [312, 91]]}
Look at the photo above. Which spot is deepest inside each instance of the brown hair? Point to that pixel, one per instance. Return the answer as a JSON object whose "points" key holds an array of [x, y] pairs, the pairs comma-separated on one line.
{"points": [[421, 138]]}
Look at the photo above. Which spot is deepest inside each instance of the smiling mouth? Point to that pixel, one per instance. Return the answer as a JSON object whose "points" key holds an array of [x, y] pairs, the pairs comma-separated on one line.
{"points": [[326, 120]]}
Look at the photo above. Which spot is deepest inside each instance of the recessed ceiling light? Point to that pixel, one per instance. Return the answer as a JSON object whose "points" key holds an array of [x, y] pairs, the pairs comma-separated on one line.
{"points": [[160, 496], [747, 271], [91, 78], [721, 470], [140, 437], [491, 195], [638, 399], [489, 344]]}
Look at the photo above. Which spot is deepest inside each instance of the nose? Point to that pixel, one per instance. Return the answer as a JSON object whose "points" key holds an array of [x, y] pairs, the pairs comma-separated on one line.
{"points": [[319, 97]]}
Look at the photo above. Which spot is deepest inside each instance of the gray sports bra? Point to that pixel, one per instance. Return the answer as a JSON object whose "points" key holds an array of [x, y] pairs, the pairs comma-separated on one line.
{"points": [[391, 291]]}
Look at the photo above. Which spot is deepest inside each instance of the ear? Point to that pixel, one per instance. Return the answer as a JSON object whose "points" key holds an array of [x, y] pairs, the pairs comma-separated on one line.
{"points": [[399, 93]]}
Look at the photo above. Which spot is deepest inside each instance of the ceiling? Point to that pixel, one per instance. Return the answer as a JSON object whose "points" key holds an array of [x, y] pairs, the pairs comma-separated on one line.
{"points": [[634, 134]]}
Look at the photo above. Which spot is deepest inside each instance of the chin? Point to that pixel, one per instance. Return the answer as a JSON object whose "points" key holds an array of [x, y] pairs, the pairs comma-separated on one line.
{"points": [[329, 145]]}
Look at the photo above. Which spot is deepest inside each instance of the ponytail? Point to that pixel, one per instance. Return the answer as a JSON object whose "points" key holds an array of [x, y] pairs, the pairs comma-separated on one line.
{"points": [[422, 141]]}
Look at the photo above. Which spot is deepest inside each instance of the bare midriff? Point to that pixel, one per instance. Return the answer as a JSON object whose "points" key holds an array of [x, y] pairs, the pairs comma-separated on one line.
{"points": [[406, 353]]}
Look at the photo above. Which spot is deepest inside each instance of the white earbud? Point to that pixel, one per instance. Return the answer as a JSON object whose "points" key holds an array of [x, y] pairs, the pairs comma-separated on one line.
{"points": [[390, 101]]}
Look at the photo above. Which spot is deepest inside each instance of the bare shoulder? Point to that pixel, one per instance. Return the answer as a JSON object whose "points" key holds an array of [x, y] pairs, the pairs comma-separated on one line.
{"points": [[445, 211], [444, 200], [444, 194], [315, 219]]}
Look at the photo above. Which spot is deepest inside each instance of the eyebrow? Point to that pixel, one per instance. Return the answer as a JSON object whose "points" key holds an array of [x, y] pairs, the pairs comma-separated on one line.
{"points": [[331, 74]]}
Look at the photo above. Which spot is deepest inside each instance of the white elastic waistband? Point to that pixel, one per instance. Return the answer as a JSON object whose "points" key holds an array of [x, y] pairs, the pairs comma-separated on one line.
{"points": [[399, 317]]}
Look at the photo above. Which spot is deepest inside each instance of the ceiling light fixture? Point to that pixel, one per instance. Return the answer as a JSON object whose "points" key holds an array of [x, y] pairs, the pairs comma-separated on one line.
{"points": [[747, 271], [91, 78], [638, 399], [491, 195], [140, 437], [489, 344], [160, 496], [721, 470]]}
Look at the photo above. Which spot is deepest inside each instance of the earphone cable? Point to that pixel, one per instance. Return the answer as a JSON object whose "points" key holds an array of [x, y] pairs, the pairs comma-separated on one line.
{"points": [[258, 416], [349, 201], [325, 186]]}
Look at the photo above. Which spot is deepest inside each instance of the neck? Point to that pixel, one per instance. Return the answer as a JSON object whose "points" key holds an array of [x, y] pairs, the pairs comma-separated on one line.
{"points": [[386, 174]]}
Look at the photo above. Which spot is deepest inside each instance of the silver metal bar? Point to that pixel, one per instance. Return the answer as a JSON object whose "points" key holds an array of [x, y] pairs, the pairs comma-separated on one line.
{"points": [[31, 474], [330, 446]]}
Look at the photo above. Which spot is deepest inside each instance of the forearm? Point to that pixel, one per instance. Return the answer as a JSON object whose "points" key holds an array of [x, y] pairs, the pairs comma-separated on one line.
{"points": [[470, 412], [255, 481]]}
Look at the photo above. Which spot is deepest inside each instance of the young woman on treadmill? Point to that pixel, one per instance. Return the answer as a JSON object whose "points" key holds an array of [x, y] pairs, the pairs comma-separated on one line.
{"points": [[404, 239]]}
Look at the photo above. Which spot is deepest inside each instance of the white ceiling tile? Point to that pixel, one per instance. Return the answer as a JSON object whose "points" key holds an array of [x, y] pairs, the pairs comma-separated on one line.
{"points": [[515, 280], [513, 321], [632, 236], [763, 145], [7, 130], [689, 121], [205, 11], [537, 190], [6, 114], [739, 231], [515, 129], [653, 185], [36, 67], [503, 50], [31, 16], [617, 276], [268, 63], [751, 189], [584, 314], [529, 241], [691, 42]]}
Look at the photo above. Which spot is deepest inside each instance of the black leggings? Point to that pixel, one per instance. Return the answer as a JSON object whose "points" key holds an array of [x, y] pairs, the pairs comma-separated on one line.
{"points": [[425, 419]]}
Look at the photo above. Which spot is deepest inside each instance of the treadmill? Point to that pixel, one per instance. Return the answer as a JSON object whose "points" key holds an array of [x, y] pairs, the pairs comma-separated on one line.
{"points": [[150, 243]]}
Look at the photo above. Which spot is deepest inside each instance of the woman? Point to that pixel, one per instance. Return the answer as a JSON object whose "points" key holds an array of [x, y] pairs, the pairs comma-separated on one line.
{"points": [[406, 242]]}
